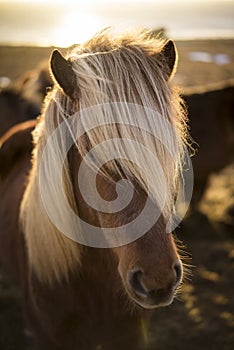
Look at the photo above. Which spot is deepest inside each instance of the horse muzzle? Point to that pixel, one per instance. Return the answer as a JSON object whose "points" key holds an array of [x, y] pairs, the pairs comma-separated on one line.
{"points": [[141, 290]]}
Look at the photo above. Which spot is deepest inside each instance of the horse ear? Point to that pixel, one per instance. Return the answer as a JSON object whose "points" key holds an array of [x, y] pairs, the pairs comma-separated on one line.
{"points": [[170, 56], [63, 73]]}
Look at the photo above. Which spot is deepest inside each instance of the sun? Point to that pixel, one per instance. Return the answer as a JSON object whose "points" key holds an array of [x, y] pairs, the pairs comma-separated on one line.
{"points": [[74, 29]]}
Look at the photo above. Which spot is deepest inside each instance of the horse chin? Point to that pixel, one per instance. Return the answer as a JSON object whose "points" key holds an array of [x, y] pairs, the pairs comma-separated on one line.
{"points": [[150, 304]]}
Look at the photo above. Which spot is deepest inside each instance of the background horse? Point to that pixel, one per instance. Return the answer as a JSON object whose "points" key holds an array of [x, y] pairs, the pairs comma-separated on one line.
{"points": [[15, 108], [22, 99], [80, 296], [35, 83], [210, 111]]}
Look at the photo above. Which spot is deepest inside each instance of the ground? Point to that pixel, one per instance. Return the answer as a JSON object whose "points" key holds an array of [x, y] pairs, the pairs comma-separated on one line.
{"points": [[202, 316]]}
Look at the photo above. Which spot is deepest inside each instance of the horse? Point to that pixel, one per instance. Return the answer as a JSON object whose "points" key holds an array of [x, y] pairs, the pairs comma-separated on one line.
{"points": [[77, 293], [210, 111], [34, 84], [22, 100], [15, 108]]}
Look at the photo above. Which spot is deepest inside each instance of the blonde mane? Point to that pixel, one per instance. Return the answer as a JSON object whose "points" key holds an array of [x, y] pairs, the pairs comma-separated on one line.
{"points": [[126, 69]]}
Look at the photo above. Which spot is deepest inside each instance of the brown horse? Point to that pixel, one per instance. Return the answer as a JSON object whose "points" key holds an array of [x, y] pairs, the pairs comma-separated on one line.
{"points": [[83, 295], [211, 111], [15, 108], [22, 99], [35, 83]]}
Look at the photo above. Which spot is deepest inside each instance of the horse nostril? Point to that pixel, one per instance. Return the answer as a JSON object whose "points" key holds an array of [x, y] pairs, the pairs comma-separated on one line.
{"points": [[135, 281], [160, 292], [178, 270]]}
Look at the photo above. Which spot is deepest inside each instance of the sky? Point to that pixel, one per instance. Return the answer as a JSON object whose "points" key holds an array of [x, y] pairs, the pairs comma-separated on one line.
{"points": [[64, 22], [90, 2]]}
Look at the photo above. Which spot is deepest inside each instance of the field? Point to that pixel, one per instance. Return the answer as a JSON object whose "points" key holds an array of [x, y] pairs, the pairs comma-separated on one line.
{"points": [[202, 317]]}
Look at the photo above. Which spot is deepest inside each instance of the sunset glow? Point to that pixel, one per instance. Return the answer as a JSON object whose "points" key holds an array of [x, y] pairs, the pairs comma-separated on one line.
{"points": [[65, 22], [72, 30]]}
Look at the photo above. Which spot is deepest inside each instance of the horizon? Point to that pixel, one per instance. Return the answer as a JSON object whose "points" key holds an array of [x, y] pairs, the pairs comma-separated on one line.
{"points": [[27, 23]]}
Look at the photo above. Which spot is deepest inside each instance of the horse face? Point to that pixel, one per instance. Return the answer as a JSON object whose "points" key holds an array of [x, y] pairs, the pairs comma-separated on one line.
{"points": [[149, 267]]}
